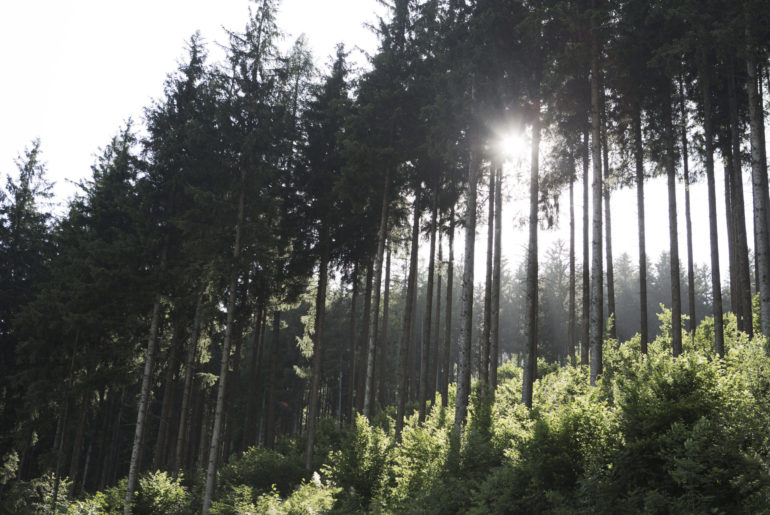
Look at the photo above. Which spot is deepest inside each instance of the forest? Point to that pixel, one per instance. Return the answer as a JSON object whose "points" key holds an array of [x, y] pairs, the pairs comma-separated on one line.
{"points": [[265, 298]]}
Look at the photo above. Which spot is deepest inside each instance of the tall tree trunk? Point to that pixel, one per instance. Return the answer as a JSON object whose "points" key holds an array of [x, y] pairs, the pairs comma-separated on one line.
{"points": [[144, 393], [673, 231], [759, 186], [571, 308], [687, 215], [530, 327], [384, 344], [160, 452], [351, 382], [77, 445], [435, 381], [596, 333], [219, 414], [369, 391], [739, 216], [364, 344], [586, 314], [271, 380], [250, 419], [639, 159], [315, 377], [496, 278], [611, 312], [486, 329], [716, 281], [406, 333], [446, 364], [466, 300], [425, 366]]}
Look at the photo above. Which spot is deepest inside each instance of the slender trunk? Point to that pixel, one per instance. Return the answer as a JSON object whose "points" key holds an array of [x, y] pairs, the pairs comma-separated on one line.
{"points": [[369, 390], [250, 426], [351, 382], [759, 188], [448, 316], [77, 446], [466, 300], [384, 346], [673, 232], [687, 214], [403, 375], [586, 314], [435, 380], [611, 313], [230, 425], [160, 453], [426, 337], [315, 377], [216, 432], [597, 320], [496, 278], [192, 351], [716, 281], [364, 344], [571, 316], [530, 327], [739, 216], [271, 380], [144, 393], [639, 159], [486, 329]]}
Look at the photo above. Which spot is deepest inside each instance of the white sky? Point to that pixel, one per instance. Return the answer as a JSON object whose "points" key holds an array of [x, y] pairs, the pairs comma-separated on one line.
{"points": [[76, 70]]}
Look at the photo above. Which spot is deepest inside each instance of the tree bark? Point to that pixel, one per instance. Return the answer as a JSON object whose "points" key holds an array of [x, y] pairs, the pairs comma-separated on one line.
{"points": [[586, 314], [571, 308], [384, 338], [250, 419], [351, 382], [364, 345], [611, 312], [716, 282], [530, 328], [596, 333], [673, 231], [496, 278], [425, 366], [219, 414], [687, 214], [436, 367], [639, 159], [759, 187], [271, 380], [160, 452], [369, 391], [403, 375], [144, 394], [315, 377], [487, 321], [448, 316]]}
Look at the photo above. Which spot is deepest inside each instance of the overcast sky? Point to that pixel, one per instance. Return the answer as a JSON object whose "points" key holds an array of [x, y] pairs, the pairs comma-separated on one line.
{"points": [[75, 70]]}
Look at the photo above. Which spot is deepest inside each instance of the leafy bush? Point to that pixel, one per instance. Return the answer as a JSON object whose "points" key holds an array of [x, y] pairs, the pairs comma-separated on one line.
{"points": [[161, 493], [261, 469]]}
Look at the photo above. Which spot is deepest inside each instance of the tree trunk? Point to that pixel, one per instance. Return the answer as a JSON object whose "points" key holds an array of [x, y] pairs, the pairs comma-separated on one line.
{"points": [[716, 281], [466, 300], [271, 380], [160, 452], [369, 390], [144, 393], [639, 159], [315, 377], [687, 215], [530, 327], [384, 346], [759, 188], [435, 379], [611, 313], [216, 432], [487, 321], [586, 314], [596, 333], [406, 333], [351, 382], [364, 345], [673, 232], [571, 316], [77, 445], [739, 216], [250, 425], [425, 366], [446, 364], [496, 278]]}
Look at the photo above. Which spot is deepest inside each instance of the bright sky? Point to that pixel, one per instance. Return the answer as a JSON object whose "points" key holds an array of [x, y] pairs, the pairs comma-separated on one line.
{"points": [[76, 70]]}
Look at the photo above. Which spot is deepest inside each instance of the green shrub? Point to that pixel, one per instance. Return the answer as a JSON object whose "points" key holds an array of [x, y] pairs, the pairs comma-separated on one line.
{"points": [[161, 493], [260, 469]]}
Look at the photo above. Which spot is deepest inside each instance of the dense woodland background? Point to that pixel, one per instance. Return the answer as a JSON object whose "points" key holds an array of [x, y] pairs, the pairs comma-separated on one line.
{"points": [[234, 314]]}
